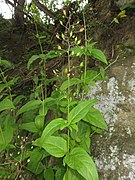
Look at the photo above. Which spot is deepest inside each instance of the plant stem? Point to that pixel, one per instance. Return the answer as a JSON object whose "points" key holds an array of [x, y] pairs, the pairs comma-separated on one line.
{"points": [[43, 70], [68, 94], [68, 75], [86, 57]]}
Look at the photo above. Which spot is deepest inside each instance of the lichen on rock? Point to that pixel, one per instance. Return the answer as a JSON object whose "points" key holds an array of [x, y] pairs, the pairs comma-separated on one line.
{"points": [[114, 150]]}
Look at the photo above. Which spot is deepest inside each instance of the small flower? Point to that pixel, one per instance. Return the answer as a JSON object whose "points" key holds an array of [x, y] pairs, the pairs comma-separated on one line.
{"points": [[70, 74], [22, 147], [64, 12], [82, 29], [28, 160], [57, 36]]}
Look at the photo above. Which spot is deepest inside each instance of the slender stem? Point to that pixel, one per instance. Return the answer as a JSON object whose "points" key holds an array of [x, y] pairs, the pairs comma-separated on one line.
{"points": [[43, 70], [86, 57], [68, 94], [69, 71]]}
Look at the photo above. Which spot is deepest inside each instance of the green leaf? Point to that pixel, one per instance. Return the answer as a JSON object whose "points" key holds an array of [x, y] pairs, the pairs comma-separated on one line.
{"points": [[32, 59], [6, 134], [127, 6], [97, 130], [72, 175], [84, 135], [116, 20], [37, 142], [102, 72], [59, 173], [5, 173], [73, 81], [78, 50], [5, 63], [51, 54], [29, 116], [95, 118], [2, 87], [6, 104], [80, 111], [39, 122], [61, 22], [98, 54], [35, 159], [78, 42], [71, 33], [29, 127], [56, 146], [8, 129], [90, 74], [49, 102], [79, 160], [18, 99], [52, 127], [63, 36], [34, 104], [49, 173]]}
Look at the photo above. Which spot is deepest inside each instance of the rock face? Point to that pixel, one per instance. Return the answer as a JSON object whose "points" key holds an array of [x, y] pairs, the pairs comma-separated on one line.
{"points": [[114, 151]]}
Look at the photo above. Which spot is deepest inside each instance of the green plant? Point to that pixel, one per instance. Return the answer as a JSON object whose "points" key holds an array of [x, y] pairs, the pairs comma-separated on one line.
{"points": [[122, 13], [58, 147]]}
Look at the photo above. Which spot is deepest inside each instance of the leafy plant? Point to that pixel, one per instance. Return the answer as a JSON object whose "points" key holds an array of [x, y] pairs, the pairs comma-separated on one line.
{"points": [[58, 148]]}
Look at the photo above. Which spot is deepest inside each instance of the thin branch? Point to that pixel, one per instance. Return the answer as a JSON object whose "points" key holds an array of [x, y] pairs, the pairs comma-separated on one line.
{"points": [[44, 9]]}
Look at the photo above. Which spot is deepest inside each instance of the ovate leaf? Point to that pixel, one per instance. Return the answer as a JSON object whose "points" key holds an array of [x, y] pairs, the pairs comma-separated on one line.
{"points": [[80, 111], [8, 129], [84, 135], [79, 160], [6, 104], [5, 63], [6, 134], [65, 84], [72, 175], [60, 170], [39, 122], [29, 106], [18, 99], [52, 127], [49, 173], [35, 158], [55, 146], [51, 54], [95, 118], [32, 59], [29, 127], [98, 54]]}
